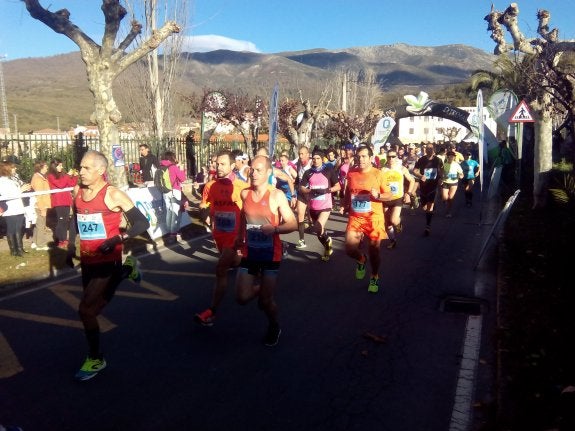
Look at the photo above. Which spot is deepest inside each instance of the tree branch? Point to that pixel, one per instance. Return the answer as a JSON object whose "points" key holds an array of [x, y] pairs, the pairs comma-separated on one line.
{"points": [[497, 33], [520, 42], [114, 13], [135, 30], [149, 45], [60, 22]]}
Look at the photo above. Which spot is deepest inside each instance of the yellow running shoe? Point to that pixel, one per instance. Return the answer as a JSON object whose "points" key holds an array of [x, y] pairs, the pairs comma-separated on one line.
{"points": [[360, 269], [373, 285], [90, 368]]}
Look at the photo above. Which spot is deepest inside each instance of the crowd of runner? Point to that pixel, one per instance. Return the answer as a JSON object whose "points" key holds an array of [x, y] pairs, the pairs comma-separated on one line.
{"points": [[247, 205]]}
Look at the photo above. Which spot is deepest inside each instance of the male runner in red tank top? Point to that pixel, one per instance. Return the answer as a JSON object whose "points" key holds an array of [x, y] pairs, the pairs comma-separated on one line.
{"points": [[99, 207]]}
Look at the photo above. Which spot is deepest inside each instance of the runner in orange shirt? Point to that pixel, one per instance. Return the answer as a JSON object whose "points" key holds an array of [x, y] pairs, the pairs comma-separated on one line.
{"points": [[222, 196], [364, 192]]}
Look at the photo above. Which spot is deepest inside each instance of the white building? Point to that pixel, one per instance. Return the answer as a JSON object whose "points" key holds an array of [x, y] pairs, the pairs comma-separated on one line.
{"points": [[419, 129]]}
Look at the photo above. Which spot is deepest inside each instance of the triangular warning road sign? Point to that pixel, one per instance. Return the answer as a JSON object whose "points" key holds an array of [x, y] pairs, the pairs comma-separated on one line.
{"points": [[521, 114]]}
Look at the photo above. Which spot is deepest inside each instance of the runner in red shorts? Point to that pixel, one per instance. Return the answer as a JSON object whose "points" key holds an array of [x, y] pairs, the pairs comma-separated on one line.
{"points": [[222, 195]]}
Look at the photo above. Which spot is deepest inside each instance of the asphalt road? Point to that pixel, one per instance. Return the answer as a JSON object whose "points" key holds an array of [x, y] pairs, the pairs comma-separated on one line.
{"points": [[328, 371]]}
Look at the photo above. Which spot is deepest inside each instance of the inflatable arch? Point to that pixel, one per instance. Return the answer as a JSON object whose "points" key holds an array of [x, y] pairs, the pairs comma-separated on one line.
{"points": [[423, 106]]}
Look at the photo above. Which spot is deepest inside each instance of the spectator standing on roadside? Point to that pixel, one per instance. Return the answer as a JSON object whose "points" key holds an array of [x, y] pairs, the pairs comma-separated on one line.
{"points": [[13, 208], [506, 160], [42, 234], [173, 199], [148, 163], [61, 200], [191, 154]]}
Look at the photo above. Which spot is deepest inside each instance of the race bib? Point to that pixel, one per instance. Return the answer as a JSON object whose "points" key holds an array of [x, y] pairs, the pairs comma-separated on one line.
{"points": [[225, 221], [361, 203], [319, 197], [430, 173], [394, 187], [256, 238], [91, 226]]}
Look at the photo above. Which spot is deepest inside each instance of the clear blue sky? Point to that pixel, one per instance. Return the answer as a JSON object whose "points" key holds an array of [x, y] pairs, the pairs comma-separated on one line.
{"points": [[271, 26]]}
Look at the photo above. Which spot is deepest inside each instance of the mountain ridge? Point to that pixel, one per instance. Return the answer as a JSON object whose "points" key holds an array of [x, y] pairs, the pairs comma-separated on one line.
{"points": [[41, 89]]}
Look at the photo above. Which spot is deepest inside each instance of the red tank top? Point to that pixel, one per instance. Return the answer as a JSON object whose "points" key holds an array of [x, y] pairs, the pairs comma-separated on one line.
{"points": [[96, 223], [258, 246]]}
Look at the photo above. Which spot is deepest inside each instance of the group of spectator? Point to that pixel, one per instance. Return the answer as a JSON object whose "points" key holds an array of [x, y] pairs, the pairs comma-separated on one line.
{"points": [[43, 212]]}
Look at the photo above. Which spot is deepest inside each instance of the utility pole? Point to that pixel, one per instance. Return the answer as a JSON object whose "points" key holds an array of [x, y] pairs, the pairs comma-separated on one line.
{"points": [[3, 105], [344, 92]]}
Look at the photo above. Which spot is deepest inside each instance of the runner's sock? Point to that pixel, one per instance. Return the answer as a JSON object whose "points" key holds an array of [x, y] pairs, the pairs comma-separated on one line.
{"points": [[301, 230], [428, 217], [391, 233], [93, 337]]}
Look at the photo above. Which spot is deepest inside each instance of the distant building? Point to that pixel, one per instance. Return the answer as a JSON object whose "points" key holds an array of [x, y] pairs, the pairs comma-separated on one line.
{"points": [[418, 129]]}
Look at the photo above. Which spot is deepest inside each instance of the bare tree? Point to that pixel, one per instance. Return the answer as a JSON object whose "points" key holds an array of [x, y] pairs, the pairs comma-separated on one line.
{"points": [[238, 109], [104, 63], [347, 127], [297, 124], [152, 86], [356, 91], [551, 79], [449, 133]]}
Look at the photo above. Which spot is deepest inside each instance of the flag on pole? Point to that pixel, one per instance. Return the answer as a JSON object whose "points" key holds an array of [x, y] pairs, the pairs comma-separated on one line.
{"points": [[382, 131], [273, 120], [501, 105], [480, 137]]}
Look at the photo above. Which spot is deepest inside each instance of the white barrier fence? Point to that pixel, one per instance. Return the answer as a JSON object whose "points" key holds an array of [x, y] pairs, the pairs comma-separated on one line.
{"points": [[149, 200]]}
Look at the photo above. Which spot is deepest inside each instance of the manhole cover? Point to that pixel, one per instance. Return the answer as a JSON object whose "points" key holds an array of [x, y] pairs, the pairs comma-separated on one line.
{"points": [[472, 306]]}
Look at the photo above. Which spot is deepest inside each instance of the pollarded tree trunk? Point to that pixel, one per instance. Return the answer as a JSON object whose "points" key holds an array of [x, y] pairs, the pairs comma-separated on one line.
{"points": [[103, 64], [542, 160], [106, 115]]}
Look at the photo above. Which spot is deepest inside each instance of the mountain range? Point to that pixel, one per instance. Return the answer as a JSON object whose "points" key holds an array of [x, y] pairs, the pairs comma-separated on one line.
{"points": [[51, 92]]}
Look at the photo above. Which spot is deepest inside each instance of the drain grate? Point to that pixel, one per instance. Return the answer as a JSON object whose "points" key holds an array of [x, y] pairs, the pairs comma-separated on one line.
{"points": [[459, 304]]}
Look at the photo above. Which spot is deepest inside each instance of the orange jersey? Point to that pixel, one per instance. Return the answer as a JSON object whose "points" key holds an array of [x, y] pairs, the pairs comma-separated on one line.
{"points": [[223, 198], [259, 246], [359, 186]]}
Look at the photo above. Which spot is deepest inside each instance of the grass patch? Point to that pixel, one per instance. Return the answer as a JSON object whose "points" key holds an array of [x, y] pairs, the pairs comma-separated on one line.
{"points": [[536, 325]]}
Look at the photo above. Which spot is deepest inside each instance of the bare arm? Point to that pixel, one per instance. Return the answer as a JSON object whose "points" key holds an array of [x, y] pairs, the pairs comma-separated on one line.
{"points": [[287, 216], [410, 179]]}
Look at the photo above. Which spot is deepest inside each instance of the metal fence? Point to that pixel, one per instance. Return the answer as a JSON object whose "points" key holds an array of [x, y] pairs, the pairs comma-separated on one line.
{"points": [[26, 149]]}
